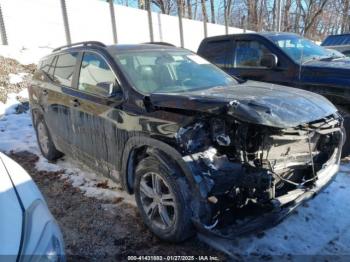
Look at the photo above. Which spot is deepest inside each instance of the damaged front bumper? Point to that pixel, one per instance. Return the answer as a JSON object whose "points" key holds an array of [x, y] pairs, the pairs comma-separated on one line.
{"points": [[283, 205]]}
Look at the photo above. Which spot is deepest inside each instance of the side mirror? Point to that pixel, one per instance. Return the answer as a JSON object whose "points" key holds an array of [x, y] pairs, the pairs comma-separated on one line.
{"points": [[269, 60], [110, 89]]}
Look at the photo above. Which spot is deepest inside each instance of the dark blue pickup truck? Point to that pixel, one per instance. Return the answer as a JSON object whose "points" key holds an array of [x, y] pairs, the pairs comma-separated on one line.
{"points": [[286, 59]]}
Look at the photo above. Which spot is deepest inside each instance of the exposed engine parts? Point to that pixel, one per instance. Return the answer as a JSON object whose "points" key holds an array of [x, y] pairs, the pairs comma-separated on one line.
{"points": [[249, 163]]}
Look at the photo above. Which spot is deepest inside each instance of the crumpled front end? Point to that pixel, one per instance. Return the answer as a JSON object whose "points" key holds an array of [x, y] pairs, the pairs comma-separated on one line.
{"points": [[259, 172]]}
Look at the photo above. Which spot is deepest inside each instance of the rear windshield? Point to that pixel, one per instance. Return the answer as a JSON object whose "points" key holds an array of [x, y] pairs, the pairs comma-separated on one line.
{"points": [[333, 40]]}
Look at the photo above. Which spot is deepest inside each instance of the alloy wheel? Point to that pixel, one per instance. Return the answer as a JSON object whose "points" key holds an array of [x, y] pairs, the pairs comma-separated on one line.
{"points": [[158, 200]]}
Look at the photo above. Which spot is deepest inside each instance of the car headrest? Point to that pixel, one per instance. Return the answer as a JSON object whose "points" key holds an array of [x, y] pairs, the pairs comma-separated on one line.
{"points": [[145, 71]]}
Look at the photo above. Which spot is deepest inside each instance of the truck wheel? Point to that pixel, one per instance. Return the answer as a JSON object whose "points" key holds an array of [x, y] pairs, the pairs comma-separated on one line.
{"points": [[163, 200], [45, 142]]}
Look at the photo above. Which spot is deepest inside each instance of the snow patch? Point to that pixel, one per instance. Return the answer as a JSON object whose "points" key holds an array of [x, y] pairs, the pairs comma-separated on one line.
{"points": [[24, 55], [17, 134], [17, 78]]}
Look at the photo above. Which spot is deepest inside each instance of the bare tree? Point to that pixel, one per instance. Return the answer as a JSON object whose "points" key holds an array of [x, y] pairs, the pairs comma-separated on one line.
{"points": [[189, 9], [212, 11], [345, 19]]}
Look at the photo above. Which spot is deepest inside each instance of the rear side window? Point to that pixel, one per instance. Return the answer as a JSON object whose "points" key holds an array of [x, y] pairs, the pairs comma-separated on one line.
{"points": [[48, 66], [336, 40], [65, 67], [95, 77], [216, 52]]}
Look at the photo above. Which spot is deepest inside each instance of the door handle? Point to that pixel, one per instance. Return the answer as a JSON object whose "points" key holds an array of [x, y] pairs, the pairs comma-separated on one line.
{"points": [[75, 102]]}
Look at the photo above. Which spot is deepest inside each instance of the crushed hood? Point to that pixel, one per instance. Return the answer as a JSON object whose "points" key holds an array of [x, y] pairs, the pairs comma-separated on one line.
{"points": [[253, 102]]}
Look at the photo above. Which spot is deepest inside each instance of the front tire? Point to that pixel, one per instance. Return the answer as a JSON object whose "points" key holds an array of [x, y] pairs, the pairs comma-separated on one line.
{"points": [[163, 200], [346, 146], [46, 145]]}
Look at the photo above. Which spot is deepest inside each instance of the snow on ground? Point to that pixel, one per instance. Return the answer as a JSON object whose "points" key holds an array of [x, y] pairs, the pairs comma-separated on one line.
{"points": [[17, 78], [24, 55], [17, 134], [320, 227]]}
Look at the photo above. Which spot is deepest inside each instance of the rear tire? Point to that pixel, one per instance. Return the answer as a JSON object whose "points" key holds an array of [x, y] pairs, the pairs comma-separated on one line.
{"points": [[46, 145], [163, 200]]}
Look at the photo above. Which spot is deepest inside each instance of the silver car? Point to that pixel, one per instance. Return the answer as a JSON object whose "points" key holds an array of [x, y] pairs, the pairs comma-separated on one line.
{"points": [[29, 232]]}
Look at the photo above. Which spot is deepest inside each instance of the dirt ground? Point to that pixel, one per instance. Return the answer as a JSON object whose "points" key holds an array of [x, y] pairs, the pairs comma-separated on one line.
{"points": [[97, 230]]}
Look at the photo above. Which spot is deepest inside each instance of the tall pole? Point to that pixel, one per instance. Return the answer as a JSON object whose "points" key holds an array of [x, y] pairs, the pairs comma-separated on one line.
{"points": [[179, 11], [150, 23], [204, 14], [114, 24], [65, 21], [3, 29]]}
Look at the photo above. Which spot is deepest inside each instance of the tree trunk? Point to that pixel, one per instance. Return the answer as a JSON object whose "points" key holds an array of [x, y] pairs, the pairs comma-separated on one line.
{"points": [[212, 11], [189, 9], [345, 20], [287, 6]]}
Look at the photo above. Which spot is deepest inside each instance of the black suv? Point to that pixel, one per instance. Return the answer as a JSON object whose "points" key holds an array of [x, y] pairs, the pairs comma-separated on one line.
{"points": [[190, 141], [286, 59]]}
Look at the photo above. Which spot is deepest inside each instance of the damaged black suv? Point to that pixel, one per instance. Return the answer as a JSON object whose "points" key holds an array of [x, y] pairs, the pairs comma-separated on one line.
{"points": [[199, 149]]}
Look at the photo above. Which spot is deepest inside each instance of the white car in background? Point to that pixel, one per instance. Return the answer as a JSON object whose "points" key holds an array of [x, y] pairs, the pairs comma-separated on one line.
{"points": [[28, 231]]}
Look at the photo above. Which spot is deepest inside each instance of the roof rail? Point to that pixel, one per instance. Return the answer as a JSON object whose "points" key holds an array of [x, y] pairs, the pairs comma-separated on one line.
{"points": [[86, 43], [159, 43]]}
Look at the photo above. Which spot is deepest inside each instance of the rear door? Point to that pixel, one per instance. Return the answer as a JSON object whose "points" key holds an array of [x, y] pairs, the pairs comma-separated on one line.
{"points": [[97, 140], [55, 99], [216, 52]]}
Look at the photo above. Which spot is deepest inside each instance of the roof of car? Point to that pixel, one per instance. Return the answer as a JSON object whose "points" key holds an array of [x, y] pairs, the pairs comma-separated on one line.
{"points": [[140, 47], [264, 34]]}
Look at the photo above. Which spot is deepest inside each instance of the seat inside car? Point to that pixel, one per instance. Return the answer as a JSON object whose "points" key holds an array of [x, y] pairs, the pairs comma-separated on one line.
{"points": [[147, 78]]}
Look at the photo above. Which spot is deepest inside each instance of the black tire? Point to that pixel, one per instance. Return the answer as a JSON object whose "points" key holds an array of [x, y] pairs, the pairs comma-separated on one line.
{"points": [[346, 147], [47, 148], [346, 116], [181, 226]]}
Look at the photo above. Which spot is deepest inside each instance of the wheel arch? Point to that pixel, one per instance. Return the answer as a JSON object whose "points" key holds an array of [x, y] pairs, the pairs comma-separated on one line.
{"points": [[138, 147]]}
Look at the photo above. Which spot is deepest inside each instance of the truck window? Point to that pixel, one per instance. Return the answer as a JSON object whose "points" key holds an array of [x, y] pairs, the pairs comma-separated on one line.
{"points": [[216, 52], [249, 53]]}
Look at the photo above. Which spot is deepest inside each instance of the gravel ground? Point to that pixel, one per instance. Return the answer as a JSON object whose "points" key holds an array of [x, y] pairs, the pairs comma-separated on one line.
{"points": [[99, 230]]}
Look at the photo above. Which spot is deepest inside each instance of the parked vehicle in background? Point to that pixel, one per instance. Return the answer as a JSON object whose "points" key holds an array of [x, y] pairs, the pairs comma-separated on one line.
{"points": [[340, 43], [28, 230], [285, 59], [189, 140]]}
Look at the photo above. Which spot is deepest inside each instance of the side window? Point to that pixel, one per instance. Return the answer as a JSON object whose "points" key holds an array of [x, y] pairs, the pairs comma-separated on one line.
{"points": [[249, 54], [64, 70], [95, 77], [216, 52], [48, 66]]}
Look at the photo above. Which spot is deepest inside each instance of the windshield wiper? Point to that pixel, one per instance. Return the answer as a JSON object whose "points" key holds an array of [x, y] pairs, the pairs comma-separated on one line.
{"points": [[320, 58]]}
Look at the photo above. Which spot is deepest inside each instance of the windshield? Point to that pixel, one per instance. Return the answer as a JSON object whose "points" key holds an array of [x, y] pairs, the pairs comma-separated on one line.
{"points": [[170, 71], [301, 50]]}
